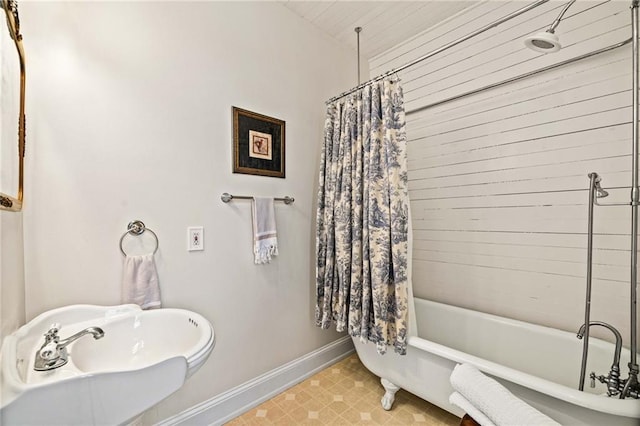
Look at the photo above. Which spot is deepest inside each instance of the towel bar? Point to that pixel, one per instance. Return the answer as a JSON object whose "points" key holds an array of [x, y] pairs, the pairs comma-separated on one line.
{"points": [[226, 197], [137, 228]]}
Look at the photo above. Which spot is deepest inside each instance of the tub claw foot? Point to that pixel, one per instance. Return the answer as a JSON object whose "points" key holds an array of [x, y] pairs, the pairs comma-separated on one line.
{"points": [[389, 395]]}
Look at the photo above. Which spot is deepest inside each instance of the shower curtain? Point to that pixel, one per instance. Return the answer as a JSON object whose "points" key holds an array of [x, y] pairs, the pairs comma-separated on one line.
{"points": [[361, 234]]}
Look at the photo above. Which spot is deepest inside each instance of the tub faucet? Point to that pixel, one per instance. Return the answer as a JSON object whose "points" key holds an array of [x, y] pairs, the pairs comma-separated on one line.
{"points": [[613, 379], [53, 353]]}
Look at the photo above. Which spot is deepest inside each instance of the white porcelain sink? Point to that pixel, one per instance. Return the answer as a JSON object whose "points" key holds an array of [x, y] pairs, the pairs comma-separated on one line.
{"points": [[143, 357]]}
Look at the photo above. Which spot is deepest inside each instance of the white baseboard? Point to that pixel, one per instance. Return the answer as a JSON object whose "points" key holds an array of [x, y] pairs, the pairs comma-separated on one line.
{"points": [[230, 404]]}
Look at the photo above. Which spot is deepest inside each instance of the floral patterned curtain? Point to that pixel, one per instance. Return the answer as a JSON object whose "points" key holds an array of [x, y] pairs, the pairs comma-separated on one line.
{"points": [[361, 236]]}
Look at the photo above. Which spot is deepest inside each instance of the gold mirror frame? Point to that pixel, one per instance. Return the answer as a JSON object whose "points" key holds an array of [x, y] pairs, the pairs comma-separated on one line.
{"points": [[10, 8]]}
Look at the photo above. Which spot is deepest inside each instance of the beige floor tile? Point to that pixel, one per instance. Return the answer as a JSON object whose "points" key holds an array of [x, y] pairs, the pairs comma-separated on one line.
{"points": [[381, 416], [338, 407], [314, 405], [352, 415], [348, 379], [299, 414], [287, 400], [300, 397], [400, 417], [338, 388], [273, 411], [370, 396], [328, 379], [328, 417], [325, 397], [285, 420], [353, 395], [343, 394]]}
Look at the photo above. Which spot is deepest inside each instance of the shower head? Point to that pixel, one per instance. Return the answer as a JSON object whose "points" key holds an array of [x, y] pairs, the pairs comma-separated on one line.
{"points": [[545, 42]]}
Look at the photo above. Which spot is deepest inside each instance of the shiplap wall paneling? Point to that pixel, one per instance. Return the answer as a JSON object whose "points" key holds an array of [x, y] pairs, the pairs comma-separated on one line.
{"points": [[498, 180]]}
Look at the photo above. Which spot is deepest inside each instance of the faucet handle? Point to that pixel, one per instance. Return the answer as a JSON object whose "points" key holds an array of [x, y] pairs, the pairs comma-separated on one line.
{"points": [[52, 333], [592, 376], [55, 327]]}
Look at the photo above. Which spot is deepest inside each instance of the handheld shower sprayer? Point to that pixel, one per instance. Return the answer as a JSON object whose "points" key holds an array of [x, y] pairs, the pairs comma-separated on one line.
{"points": [[600, 193]]}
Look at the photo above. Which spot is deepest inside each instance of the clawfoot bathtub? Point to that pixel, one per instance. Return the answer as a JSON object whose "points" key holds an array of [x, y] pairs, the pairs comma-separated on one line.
{"points": [[538, 364]]}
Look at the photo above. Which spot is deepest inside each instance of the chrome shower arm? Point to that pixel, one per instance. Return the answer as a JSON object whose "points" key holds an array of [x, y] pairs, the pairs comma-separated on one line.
{"points": [[555, 23]]}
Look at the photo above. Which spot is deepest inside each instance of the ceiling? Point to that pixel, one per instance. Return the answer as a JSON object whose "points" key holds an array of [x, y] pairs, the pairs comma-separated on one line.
{"points": [[384, 23]]}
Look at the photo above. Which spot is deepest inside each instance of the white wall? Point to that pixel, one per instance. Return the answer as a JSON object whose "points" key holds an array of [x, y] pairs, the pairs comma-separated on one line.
{"points": [[498, 180], [11, 244], [12, 288], [130, 118]]}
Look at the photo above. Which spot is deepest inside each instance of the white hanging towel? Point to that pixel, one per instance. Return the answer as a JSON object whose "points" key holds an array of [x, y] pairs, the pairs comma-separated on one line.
{"points": [[500, 406], [140, 281], [265, 239]]}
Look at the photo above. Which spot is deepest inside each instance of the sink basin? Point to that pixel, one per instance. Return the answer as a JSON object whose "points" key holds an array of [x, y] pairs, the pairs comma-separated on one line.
{"points": [[137, 341], [143, 357]]}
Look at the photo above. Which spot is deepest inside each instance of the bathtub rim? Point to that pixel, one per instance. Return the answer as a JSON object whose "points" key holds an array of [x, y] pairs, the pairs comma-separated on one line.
{"points": [[622, 407]]}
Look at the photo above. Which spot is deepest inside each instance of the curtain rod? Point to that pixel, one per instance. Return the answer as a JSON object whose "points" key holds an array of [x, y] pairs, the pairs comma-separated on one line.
{"points": [[521, 76], [441, 49]]}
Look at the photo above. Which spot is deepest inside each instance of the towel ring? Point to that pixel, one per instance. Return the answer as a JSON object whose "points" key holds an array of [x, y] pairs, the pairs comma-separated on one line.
{"points": [[137, 228]]}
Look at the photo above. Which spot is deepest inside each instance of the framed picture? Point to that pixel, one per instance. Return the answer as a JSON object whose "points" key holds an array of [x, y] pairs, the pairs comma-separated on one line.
{"points": [[258, 144]]}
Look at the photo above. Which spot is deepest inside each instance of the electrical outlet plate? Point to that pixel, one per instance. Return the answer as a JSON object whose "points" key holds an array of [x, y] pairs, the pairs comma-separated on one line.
{"points": [[195, 238]]}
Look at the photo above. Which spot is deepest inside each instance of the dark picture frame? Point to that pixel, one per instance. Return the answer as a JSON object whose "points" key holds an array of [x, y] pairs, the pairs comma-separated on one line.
{"points": [[258, 144]]}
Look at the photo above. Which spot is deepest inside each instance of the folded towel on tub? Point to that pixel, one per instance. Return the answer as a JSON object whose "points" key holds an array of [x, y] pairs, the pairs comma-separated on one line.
{"points": [[499, 405], [460, 401], [265, 239], [140, 281]]}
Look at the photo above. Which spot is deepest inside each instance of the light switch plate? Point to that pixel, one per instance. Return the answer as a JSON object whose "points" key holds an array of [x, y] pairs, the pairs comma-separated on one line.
{"points": [[195, 235]]}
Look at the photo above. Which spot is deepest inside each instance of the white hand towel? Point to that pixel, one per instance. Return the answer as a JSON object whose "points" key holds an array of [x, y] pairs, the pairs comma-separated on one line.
{"points": [[477, 415], [265, 240], [494, 400], [140, 281]]}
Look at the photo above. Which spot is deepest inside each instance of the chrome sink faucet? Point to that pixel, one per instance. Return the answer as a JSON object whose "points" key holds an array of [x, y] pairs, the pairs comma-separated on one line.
{"points": [[53, 353]]}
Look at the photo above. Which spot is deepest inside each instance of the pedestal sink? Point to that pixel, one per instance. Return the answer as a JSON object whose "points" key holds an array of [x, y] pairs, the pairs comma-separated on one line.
{"points": [[143, 357]]}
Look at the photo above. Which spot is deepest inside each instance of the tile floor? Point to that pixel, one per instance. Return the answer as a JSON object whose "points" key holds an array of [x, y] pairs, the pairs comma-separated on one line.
{"points": [[344, 394]]}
